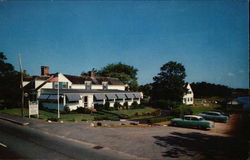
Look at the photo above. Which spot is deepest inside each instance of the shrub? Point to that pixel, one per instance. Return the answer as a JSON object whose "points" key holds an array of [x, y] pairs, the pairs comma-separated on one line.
{"points": [[66, 109], [164, 104], [125, 105], [134, 105], [117, 105], [106, 105], [181, 111], [83, 110], [99, 107]]}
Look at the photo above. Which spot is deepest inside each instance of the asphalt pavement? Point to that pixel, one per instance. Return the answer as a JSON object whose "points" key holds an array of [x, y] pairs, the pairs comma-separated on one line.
{"points": [[23, 142], [73, 140]]}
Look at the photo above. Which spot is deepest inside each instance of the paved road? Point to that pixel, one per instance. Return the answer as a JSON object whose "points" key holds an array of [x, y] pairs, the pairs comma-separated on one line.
{"points": [[27, 143], [77, 140]]}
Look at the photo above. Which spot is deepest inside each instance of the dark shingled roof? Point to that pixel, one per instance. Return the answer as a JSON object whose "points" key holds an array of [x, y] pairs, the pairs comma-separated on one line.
{"points": [[79, 79], [94, 80]]}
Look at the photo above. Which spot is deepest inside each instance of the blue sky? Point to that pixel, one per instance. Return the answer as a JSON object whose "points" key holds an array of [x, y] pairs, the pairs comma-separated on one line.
{"points": [[210, 38]]}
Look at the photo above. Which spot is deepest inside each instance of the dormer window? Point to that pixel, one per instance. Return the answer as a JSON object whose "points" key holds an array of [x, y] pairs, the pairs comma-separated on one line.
{"points": [[88, 85], [104, 85]]}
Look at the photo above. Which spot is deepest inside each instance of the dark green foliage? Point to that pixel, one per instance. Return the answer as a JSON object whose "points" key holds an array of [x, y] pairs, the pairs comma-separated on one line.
{"points": [[99, 107], [106, 117], [10, 92], [117, 105], [158, 119], [125, 105], [134, 105], [127, 74], [181, 111], [66, 109], [146, 90], [122, 116], [169, 84], [106, 105], [83, 110], [164, 104], [204, 89]]}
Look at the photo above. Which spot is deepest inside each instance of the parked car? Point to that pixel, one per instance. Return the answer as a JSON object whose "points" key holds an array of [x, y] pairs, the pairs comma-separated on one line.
{"points": [[214, 116], [192, 121], [223, 113]]}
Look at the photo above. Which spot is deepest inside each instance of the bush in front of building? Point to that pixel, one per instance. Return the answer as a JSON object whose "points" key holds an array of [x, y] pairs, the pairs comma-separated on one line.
{"points": [[125, 105], [106, 105], [117, 105], [66, 109], [83, 110], [134, 105], [99, 107]]}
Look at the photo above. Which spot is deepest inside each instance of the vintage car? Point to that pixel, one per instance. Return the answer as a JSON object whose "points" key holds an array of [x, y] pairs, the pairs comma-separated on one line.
{"points": [[192, 121], [214, 116]]}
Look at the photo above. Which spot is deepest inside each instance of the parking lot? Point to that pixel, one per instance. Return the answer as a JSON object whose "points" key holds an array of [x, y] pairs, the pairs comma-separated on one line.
{"points": [[157, 142]]}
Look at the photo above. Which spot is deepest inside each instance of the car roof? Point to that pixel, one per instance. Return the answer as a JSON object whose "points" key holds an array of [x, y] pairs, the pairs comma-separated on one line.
{"points": [[193, 116], [213, 112]]}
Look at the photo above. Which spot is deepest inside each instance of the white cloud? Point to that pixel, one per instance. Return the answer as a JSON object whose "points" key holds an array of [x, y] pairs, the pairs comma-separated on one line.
{"points": [[230, 74]]}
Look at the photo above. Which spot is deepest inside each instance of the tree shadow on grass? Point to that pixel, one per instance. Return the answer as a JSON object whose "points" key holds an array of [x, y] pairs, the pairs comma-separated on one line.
{"points": [[203, 146]]}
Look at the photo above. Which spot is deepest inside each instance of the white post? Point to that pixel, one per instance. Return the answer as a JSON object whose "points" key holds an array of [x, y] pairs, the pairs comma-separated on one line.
{"points": [[58, 103]]}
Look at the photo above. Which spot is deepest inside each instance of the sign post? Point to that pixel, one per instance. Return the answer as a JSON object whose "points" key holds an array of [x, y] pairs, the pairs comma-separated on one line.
{"points": [[33, 108]]}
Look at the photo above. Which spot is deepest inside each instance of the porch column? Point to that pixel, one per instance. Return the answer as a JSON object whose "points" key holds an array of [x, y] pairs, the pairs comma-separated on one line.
{"points": [[64, 100]]}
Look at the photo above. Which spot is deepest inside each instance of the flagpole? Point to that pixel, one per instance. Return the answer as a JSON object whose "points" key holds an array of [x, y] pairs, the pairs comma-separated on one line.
{"points": [[21, 85]]}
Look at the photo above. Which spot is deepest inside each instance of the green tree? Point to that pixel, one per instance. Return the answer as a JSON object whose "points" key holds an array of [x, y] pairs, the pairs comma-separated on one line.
{"points": [[10, 84], [127, 74], [169, 84]]}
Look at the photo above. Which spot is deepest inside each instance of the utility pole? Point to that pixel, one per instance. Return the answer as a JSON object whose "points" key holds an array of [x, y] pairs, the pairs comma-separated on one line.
{"points": [[58, 99], [21, 85]]}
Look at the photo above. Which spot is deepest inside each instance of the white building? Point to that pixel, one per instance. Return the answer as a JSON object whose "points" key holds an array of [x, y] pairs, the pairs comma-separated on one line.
{"points": [[77, 91], [188, 98]]}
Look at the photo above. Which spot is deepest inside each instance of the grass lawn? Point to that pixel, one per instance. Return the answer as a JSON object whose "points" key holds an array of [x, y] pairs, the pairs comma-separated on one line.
{"points": [[77, 117], [197, 110], [44, 115], [131, 112]]}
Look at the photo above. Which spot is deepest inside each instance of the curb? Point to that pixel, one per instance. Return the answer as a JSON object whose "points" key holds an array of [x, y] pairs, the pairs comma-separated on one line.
{"points": [[16, 122]]}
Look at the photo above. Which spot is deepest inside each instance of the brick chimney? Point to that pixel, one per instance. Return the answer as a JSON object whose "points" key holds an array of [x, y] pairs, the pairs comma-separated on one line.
{"points": [[91, 74], [44, 70]]}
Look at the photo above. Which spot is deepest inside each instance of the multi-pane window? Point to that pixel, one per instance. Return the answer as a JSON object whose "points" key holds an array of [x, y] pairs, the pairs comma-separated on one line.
{"points": [[62, 85], [105, 85], [88, 85]]}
